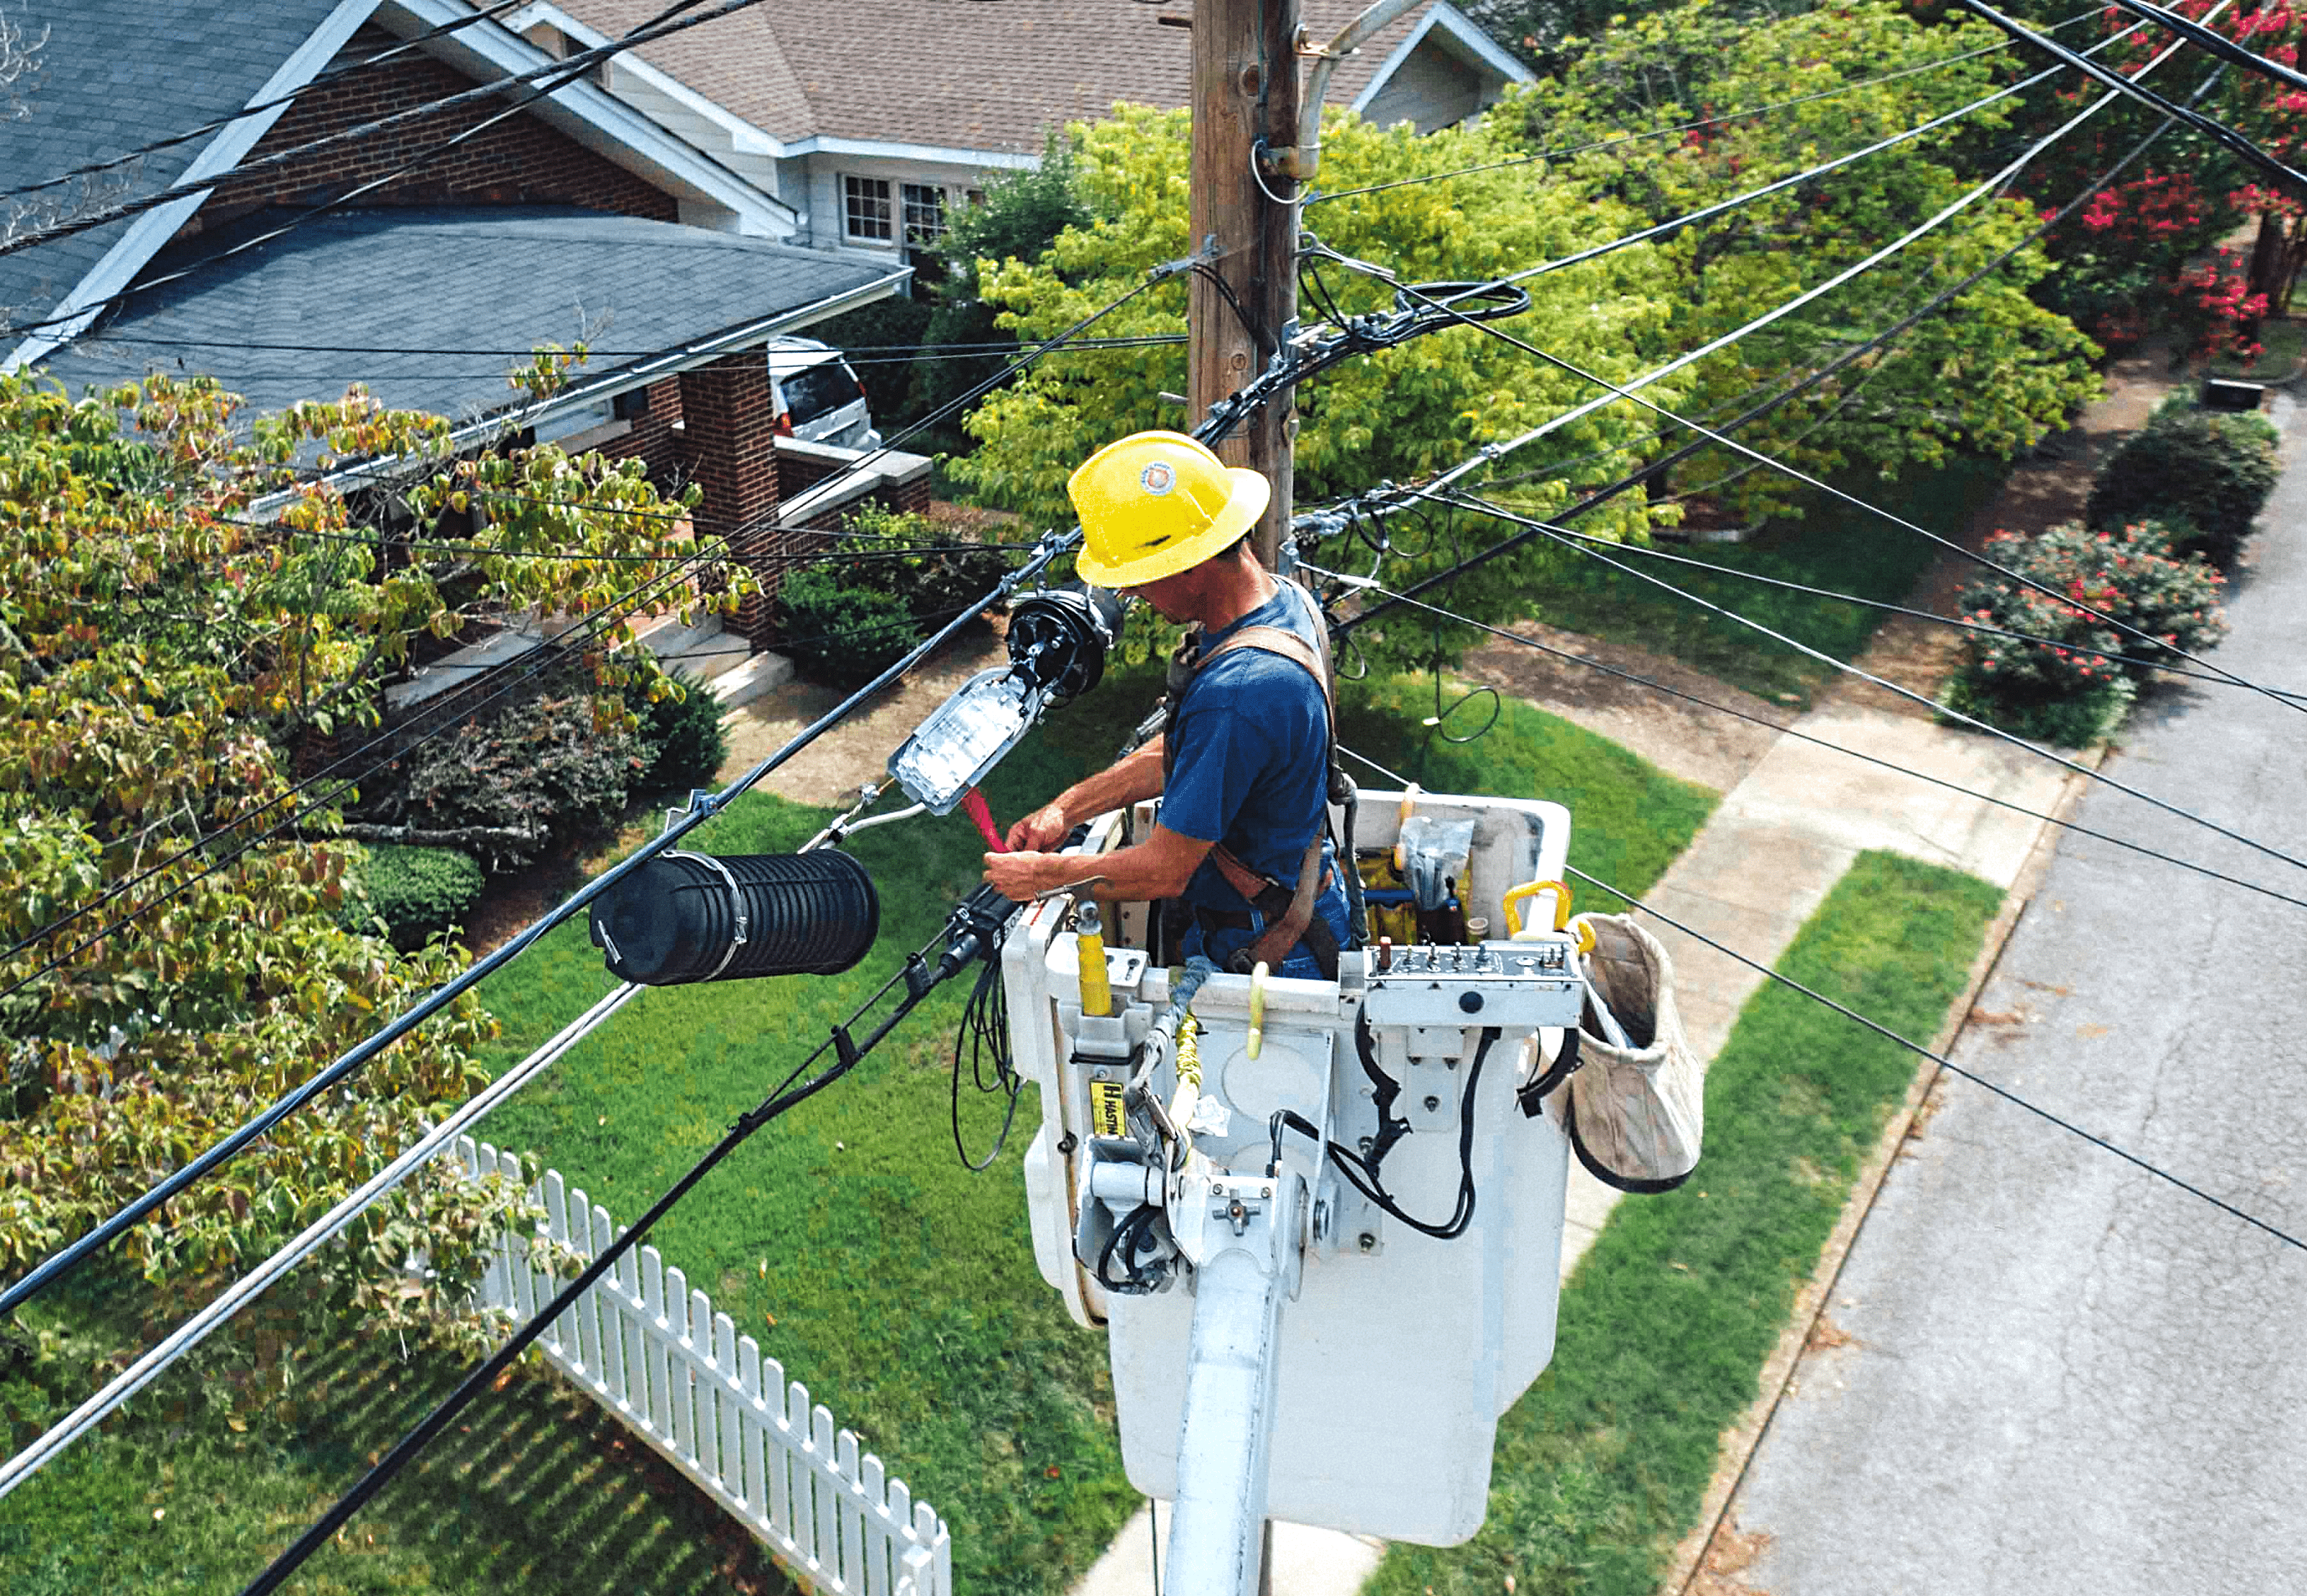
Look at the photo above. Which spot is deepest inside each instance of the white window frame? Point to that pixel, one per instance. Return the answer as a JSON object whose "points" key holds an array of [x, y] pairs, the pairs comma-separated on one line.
{"points": [[910, 196], [856, 198]]}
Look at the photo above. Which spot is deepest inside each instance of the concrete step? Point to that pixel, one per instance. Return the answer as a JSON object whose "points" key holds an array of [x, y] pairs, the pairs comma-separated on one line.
{"points": [[703, 650], [751, 680]]}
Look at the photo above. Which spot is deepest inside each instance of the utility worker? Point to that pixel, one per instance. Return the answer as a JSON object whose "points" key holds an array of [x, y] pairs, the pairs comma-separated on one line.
{"points": [[1244, 763]]}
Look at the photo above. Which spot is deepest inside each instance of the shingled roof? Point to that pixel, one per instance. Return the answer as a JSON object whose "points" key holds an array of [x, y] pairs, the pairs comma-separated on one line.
{"points": [[293, 318], [951, 74], [117, 75]]}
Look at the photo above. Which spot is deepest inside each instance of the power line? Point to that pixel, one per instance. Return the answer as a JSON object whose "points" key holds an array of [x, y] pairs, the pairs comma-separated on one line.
{"points": [[1787, 731], [334, 75], [856, 353], [564, 71], [1885, 1031], [70, 1256], [1567, 540], [2208, 126], [1952, 622], [1566, 151], [663, 24], [1635, 478]]}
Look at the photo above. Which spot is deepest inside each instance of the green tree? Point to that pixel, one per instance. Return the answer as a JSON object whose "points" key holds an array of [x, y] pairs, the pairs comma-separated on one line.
{"points": [[1020, 216], [163, 649], [1400, 414], [1993, 371]]}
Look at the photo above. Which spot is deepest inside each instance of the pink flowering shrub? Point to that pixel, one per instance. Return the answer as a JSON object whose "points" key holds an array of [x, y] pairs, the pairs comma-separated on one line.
{"points": [[2064, 686]]}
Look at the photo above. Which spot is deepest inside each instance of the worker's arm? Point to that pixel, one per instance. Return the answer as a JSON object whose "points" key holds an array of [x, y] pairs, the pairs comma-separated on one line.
{"points": [[1159, 867], [1130, 780]]}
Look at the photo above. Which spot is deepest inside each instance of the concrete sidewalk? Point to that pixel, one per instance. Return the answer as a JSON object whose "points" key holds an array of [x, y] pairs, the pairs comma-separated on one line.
{"points": [[1763, 861]]}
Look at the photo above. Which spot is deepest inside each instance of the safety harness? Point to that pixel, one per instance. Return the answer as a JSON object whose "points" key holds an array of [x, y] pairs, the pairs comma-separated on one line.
{"points": [[1288, 911]]}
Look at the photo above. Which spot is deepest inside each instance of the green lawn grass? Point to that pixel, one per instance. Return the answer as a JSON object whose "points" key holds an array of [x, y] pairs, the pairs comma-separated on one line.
{"points": [[1833, 545], [847, 1238], [1664, 1326]]}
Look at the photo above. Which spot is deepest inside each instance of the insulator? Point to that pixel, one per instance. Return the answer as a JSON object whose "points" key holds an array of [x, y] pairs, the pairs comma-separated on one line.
{"points": [[1058, 637], [686, 917]]}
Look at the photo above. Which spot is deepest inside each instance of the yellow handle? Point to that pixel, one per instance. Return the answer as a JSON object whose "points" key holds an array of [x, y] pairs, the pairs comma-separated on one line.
{"points": [[1257, 1008], [1531, 889], [1097, 991], [1410, 795], [1584, 927]]}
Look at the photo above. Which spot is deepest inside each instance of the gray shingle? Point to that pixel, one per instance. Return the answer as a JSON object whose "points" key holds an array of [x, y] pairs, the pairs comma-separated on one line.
{"points": [[117, 75], [456, 278]]}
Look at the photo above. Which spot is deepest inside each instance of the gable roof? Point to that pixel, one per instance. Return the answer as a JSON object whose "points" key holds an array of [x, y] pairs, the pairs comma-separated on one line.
{"points": [[123, 74], [949, 75], [487, 279], [117, 75]]}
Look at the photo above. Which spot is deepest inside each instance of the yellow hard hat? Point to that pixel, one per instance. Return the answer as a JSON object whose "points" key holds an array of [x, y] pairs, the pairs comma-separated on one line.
{"points": [[1153, 504]]}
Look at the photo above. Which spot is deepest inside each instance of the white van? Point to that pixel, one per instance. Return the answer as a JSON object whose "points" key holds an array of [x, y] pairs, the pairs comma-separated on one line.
{"points": [[818, 396]]}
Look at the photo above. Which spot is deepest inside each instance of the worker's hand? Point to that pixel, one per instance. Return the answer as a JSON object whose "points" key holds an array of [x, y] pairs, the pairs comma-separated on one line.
{"points": [[1022, 875], [1038, 832]]}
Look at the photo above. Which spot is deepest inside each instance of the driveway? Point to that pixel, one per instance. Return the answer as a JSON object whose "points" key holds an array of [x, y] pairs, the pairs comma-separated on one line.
{"points": [[2046, 1370]]}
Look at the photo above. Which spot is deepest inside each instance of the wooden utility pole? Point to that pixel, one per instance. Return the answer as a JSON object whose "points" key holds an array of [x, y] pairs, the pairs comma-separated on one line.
{"points": [[1245, 90]]}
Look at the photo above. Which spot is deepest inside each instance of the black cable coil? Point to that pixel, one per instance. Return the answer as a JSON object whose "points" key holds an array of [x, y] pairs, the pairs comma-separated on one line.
{"points": [[676, 920]]}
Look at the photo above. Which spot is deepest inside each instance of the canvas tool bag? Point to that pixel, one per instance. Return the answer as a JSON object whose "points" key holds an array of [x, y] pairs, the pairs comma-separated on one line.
{"points": [[1635, 1113]]}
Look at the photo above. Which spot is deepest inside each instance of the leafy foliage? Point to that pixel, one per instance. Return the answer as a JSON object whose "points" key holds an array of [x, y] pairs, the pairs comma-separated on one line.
{"points": [[934, 577], [1020, 216], [682, 741], [1992, 375], [840, 634], [2204, 474], [1991, 372], [162, 648], [545, 770], [2051, 689], [416, 892]]}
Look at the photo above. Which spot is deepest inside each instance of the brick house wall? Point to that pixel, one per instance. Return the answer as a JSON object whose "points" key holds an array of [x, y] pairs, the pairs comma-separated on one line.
{"points": [[729, 450], [520, 160]]}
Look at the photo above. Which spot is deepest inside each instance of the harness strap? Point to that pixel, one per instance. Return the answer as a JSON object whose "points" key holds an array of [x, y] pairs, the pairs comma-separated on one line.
{"points": [[1289, 912]]}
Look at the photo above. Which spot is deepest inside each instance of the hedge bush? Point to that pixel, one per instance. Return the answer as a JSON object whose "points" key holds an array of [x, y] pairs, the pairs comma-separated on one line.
{"points": [[934, 586], [2065, 688], [840, 634], [418, 891], [2205, 475], [545, 769], [682, 741]]}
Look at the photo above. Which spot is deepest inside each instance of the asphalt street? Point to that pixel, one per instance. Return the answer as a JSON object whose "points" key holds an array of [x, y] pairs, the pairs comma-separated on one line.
{"points": [[2061, 1374]]}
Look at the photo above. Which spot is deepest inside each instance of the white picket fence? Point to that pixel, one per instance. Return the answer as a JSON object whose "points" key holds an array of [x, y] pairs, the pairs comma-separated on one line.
{"points": [[653, 1351]]}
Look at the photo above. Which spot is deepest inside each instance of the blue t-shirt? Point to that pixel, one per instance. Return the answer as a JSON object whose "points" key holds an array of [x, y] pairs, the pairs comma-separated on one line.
{"points": [[1252, 755]]}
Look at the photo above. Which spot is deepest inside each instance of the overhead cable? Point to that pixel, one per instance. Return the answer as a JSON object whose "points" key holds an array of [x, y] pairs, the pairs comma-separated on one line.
{"points": [[1651, 682], [664, 22], [563, 70], [2210, 127], [1568, 541], [1953, 622], [1567, 151], [1887, 1034], [333, 75], [147, 1367], [971, 934]]}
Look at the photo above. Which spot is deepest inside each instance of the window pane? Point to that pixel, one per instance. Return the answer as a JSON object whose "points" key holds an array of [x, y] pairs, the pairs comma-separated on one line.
{"points": [[924, 213], [865, 206]]}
